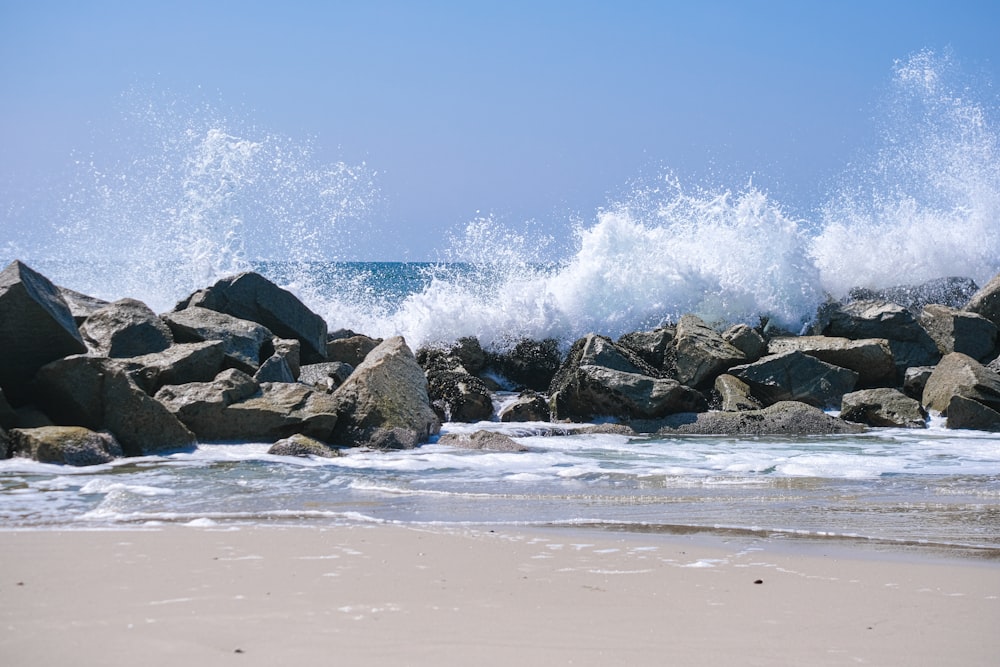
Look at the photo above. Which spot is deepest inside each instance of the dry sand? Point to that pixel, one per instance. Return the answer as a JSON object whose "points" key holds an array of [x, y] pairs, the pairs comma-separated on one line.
{"points": [[390, 595]]}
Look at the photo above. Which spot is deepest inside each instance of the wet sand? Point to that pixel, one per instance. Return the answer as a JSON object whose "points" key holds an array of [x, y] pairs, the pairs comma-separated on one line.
{"points": [[391, 595]]}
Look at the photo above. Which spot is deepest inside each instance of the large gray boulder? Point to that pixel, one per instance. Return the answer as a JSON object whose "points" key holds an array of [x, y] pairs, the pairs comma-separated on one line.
{"points": [[245, 344], [986, 302], [530, 363], [350, 349], [910, 343], [96, 393], [747, 340], [650, 346], [68, 445], [961, 375], [958, 331], [251, 296], [785, 418], [235, 407], [325, 376], [967, 413], [699, 354], [36, 327], [529, 406], [303, 446], [178, 364], [599, 378], [384, 403], [883, 407], [81, 305], [125, 328], [870, 358], [794, 376]]}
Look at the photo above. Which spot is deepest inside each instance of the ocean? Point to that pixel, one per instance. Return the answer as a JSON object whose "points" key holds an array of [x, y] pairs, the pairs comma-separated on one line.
{"points": [[203, 197]]}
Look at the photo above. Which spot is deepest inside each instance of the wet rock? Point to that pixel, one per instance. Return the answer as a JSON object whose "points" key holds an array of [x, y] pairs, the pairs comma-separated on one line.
{"points": [[384, 403], [302, 445], [794, 376], [8, 417], [459, 397], [735, 394], [4, 445], [747, 340], [699, 354], [326, 375], [870, 358], [954, 292], [352, 349], [488, 440], [967, 413], [36, 327], [199, 405], [958, 331], [68, 445], [915, 380], [530, 364], [986, 302], [910, 344], [530, 406], [96, 393], [125, 328], [883, 407], [600, 378], [178, 364], [250, 296], [650, 346], [961, 375], [784, 418], [470, 354], [243, 342]]}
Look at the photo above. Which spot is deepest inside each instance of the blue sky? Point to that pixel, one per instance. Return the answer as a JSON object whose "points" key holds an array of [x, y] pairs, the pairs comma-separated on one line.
{"points": [[525, 110]]}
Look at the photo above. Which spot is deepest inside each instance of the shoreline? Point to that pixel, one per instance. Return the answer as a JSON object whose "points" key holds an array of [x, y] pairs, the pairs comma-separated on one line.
{"points": [[390, 595]]}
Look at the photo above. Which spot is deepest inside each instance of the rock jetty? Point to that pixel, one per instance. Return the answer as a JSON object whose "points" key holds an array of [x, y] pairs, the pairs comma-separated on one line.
{"points": [[83, 381]]}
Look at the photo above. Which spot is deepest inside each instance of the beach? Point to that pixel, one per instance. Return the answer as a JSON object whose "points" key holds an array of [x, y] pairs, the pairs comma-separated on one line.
{"points": [[405, 595]]}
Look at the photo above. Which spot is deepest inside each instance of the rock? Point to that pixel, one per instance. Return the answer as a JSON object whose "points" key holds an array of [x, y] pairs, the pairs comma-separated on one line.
{"points": [[735, 394], [699, 354], [459, 397], [650, 346], [384, 402], [961, 375], [599, 378], [795, 376], [243, 342], [80, 305], [954, 292], [883, 407], [302, 445], [68, 445], [986, 302], [327, 375], [915, 380], [747, 340], [290, 350], [958, 331], [351, 350], [967, 413], [870, 358], [994, 365], [36, 327], [226, 410], [783, 418], [530, 364], [250, 296], [530, 406], [5, 452], [274, 369], [489, 440], [125, 328], [178, 364], [29, 416], [910, 344], [94, 392], [591, 391], [8, 417]]}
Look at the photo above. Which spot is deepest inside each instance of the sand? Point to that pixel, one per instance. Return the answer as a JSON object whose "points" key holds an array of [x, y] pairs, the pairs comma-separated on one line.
{"points": [[393, 595]]}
